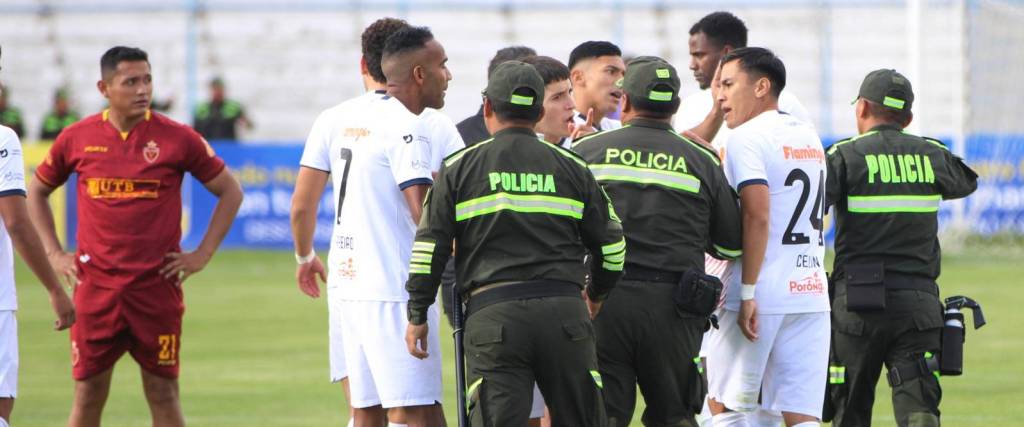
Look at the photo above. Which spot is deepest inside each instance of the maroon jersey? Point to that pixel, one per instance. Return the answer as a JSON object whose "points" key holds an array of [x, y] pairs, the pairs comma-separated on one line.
{"points": [[129, 192]]}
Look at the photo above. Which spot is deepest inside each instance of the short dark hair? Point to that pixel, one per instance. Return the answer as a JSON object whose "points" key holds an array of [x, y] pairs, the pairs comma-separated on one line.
{"points": [[891, 116], [723, 28], [407, 39], [510, 53], [592, 49], [656, 109], [550, 69], [760, 62], [373, 40], [117, 55], [507, 111]]}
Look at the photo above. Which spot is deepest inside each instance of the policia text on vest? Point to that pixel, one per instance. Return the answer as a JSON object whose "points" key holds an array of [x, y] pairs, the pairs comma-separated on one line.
{"points": [[885, 186], [523, 214]]}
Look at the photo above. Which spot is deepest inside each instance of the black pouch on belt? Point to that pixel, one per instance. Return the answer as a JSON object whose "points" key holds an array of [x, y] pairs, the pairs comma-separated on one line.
{"points": [[697, 293], [865, 287]]}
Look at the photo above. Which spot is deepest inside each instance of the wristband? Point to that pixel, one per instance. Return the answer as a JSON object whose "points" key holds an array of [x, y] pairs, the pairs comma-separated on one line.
{"points": [[746, 292], [305, 259]]}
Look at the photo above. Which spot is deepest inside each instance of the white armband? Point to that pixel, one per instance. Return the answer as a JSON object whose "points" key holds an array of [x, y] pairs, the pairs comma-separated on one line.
{"points": [[746, 292], [305, 259]]}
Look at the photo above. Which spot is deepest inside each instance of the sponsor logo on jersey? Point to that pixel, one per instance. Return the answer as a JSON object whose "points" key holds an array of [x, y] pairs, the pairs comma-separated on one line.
{"points": [[812, 284], [407, 138], [356, 133], [347, 269], [803, 153], [95, 149], [151, 151], [3, 153], [122, 188]]}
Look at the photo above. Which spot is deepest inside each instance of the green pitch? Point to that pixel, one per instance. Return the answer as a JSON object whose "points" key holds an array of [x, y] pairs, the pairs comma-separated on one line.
{"points": [[254, 352]]}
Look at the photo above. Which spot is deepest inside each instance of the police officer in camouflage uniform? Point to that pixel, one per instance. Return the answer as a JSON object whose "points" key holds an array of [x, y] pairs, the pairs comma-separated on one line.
{"points": [[523, 214], [675, 203], [885, 186]]}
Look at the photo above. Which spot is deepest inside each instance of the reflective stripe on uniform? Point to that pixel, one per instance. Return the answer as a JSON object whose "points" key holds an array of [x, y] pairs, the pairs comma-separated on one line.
{"points": [[518, 203], [472, 389], [891, 204], [597, 379], [836, 374], [675, 180], [614, 255], [730, 253]]}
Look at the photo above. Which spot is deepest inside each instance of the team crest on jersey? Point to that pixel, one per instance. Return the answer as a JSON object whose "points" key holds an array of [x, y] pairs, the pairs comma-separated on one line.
{"points": [[151, 151]]}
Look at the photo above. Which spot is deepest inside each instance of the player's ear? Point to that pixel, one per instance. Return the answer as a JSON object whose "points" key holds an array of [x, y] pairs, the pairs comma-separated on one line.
{"points": [[363, 69], [488, 107], [762, 87], [101, 85], [576, 77], [910, 118], [627, 105], [419, 75]]}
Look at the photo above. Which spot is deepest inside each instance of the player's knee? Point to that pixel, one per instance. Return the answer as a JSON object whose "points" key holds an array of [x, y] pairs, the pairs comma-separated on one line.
{"points": [[161, 392]]}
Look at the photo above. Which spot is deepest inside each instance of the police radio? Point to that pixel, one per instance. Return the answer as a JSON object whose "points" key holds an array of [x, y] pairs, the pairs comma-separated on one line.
{"points": [[951, 361]]}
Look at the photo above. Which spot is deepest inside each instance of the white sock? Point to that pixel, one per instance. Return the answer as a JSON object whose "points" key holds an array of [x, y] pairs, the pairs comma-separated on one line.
{"points": [[3, 422], [351, 422], [391, 424], [808, 424], [764, 418], [730, 419]]}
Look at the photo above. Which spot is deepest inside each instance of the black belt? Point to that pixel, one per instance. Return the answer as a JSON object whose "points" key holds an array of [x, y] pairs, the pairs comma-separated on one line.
{"points": [[643, 274], [906, 282], [521, 290]]}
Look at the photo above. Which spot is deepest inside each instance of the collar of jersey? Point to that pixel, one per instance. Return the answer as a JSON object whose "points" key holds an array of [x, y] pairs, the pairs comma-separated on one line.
{"points": [[649, 123], [106, 114]]}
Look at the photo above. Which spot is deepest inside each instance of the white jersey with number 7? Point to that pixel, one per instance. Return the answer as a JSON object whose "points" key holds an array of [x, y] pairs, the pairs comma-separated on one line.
{"points": [[373, 147], [785, 154]]}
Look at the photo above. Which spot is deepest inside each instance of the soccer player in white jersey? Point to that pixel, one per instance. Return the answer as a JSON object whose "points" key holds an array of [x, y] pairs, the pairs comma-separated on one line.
{"points": [[18, 229], [594, 67], [444, 139], [774, 338], [380, 158], [712, 37]]}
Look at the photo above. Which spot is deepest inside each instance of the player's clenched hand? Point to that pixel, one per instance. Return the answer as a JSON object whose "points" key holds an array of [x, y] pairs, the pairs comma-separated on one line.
{"points": [[183, 264], [748, 319], [306, 274], [63, 264], [417, 334], [64, 309], [587, 128]]}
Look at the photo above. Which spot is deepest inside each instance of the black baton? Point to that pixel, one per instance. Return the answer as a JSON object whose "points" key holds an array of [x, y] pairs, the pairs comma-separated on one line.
{"points": [[460, 358]]}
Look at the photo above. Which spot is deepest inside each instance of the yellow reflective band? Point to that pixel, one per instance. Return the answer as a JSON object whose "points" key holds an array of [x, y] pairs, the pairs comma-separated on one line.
{"points": [[662, 73], [835, 146], [700, 366], [836, 374], [419, 269], [420, 257], [427, 247], [472, 389], [893, 204], [730, 253], [612, 248], [597, 379], [616, 258], [622, 173], [450, 160], [521, 100], [611, 266], [659, 96], [704, 150], [519, 203], [893, 102]]}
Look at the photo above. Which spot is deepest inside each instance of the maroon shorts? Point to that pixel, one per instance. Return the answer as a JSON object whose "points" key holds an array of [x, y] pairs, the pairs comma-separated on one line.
{"points": [[143, 319]]}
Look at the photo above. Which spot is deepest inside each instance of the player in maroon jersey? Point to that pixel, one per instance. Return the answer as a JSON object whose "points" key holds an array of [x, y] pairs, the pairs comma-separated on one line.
{"points": [[129, 267]]}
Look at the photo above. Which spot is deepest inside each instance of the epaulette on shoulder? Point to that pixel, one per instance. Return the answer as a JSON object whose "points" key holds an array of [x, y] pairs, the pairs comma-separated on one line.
{"points": [[936, 142], [835, 146], [454, 157]]}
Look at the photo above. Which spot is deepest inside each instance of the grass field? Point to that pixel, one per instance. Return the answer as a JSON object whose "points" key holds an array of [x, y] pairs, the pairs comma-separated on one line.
{"points": [[254, 352]]}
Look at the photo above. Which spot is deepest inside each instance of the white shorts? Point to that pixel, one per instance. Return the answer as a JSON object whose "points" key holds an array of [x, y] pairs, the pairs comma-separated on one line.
{"points": [[787, 365], [380, 369], [8, 354], [335, 338], [537, 410]]}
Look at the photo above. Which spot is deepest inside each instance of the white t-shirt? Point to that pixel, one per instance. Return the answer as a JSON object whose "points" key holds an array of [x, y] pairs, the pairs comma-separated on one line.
{"points": [[605, 123], [443, 136], [12, 183], [695, 108], [785, 153], [373, 147]]}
